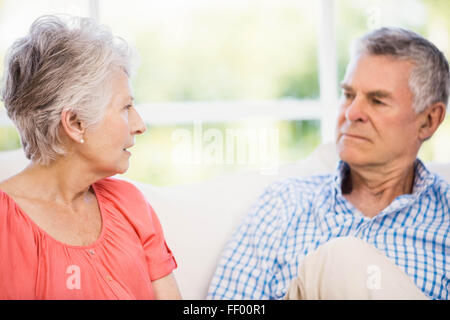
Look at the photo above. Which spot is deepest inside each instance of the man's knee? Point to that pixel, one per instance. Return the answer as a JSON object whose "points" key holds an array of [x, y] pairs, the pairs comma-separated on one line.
{"points": [[349, 268], [343, 246], [340, 252]]}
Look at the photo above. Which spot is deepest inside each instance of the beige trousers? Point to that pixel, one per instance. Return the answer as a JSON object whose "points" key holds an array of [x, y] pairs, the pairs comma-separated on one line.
{"points": [[349, 268]]}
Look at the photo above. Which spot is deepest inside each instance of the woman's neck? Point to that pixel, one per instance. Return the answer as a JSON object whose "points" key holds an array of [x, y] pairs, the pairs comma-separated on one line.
{"points": [[64, 182]]}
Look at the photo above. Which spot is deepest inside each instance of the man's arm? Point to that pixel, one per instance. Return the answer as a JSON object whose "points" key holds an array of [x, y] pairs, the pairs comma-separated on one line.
{"points": [[249, 260]]}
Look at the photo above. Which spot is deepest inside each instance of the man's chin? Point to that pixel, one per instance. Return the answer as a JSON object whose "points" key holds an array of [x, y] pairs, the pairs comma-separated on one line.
{"points": [[351, 156]]}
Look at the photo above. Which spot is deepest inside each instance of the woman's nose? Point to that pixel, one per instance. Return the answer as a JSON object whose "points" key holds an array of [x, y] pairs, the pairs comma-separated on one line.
{"points": [[138, 125]]}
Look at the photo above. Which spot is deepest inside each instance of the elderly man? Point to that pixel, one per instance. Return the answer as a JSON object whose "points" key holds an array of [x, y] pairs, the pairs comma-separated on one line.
{"points": [[379, 227]]}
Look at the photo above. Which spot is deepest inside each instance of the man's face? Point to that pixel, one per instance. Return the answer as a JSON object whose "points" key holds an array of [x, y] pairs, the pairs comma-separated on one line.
{"points": [[376, 123]]}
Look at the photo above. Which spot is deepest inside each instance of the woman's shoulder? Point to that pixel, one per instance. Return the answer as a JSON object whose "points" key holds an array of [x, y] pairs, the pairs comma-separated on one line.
{"points": [[6, 184], [4, 201], [118, 190], [7, 190], [15, 227], [14, 187], [117, 186], [124, 199]]}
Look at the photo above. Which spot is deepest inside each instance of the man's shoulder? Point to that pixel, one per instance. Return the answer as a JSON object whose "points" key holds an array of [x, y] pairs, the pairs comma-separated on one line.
{"points": [[441, 186], [437, 196]]}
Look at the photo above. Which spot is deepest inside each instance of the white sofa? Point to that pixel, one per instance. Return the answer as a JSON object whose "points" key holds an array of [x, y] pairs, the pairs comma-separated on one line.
{"points": [[198, 218]]}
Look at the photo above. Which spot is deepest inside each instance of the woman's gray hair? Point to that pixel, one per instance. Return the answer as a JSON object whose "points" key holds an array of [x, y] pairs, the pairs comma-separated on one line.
{"points": [[429, 80], [63, 62]]}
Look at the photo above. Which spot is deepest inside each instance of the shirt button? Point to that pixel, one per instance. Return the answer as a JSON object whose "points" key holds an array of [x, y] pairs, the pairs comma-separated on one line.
{"points": [[92, 252], [109, 278]]}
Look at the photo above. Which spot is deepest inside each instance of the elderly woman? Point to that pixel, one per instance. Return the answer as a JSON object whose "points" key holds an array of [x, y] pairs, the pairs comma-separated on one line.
{"points": [[67, 231]]}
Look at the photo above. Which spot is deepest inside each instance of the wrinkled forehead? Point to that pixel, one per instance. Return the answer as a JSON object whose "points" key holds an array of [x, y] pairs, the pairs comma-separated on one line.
{"points": [[384, 68], [381, 76]]}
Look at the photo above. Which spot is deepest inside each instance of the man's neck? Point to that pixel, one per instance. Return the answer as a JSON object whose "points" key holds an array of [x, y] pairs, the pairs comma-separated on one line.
{"points": [[371, 189]]}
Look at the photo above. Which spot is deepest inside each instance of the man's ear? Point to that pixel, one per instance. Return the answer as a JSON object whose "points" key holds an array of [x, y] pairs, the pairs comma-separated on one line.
{"points": [[71, 125], [430, 119]]}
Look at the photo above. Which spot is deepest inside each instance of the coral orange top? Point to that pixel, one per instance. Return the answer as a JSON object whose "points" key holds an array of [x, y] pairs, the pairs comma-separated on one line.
{"points": [[121, 264]]}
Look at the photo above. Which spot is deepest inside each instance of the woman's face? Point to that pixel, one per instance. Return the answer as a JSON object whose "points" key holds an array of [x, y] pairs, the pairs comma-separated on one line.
{"points": [[106, 143]]}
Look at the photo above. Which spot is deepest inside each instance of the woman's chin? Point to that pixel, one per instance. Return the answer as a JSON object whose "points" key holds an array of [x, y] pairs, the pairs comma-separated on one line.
{"points": [[123, 168], [119, 168]]}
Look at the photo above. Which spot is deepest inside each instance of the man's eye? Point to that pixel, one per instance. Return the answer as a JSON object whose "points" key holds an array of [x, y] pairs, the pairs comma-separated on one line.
{"points": [[128, 106], [348, 95], [377, 102]]}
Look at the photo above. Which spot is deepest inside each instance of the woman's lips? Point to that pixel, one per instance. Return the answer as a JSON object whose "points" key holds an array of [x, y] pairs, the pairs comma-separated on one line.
{"points": [[126, 150]]}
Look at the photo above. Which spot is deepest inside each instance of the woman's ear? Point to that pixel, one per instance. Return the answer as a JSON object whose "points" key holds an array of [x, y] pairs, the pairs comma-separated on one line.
{"points": [[430, 120], [72, 126]]}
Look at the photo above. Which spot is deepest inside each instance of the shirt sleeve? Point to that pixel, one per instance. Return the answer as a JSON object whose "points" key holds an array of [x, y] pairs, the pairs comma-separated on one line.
{"points": [[159, 257], [248, 262], [140, 214]]}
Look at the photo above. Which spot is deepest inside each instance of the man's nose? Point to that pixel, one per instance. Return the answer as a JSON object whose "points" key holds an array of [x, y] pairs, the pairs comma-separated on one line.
{"points": [[356, 110]]}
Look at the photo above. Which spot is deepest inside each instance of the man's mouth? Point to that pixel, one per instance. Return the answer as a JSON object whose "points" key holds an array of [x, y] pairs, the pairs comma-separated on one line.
{"points": [[354, 136]]}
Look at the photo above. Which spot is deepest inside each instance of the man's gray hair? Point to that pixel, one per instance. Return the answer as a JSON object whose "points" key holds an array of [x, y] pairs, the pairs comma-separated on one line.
{"points": [[63, 62], [429, 80]]}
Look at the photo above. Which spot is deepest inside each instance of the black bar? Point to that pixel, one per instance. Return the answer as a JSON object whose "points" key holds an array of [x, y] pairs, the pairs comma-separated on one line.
{"points": [[202, 309]]}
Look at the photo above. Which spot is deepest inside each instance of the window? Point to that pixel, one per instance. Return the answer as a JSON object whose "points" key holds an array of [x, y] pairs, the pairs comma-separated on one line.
{"points": [[240, 76], [229, 66]]}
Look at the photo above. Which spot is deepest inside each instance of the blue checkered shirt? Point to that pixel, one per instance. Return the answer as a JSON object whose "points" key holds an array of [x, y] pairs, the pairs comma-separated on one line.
{"points": [[295, 216]]}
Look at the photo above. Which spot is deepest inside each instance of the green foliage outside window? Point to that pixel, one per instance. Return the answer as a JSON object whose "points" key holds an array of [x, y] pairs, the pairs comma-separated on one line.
{"points": [[250, 52]]}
